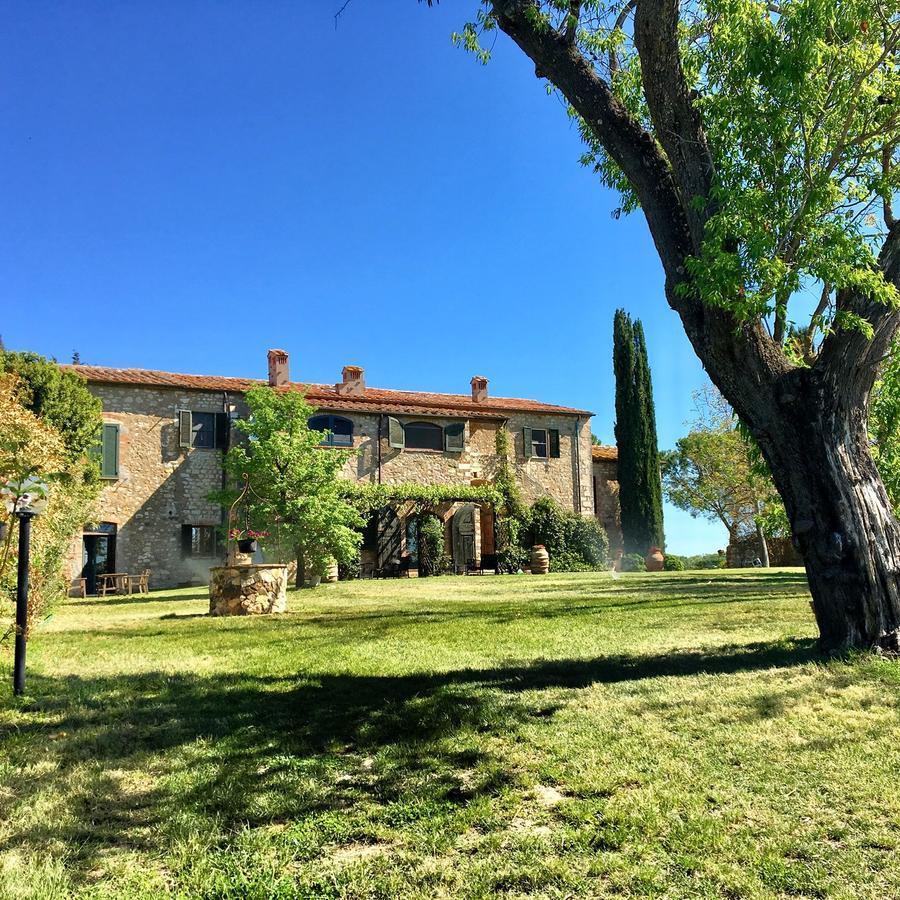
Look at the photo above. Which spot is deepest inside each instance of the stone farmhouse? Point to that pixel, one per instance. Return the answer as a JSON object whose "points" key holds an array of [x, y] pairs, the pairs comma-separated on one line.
{"points": [[164, 435]]}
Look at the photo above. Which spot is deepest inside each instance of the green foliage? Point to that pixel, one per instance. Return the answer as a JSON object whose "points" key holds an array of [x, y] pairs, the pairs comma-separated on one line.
{"points": [[296, 493], [432, 559], [705, 561], [633, 562], [640, 490], [368, 498], [30, 445], [674, 564], [884, 426], [574, 543], [57, 397]]}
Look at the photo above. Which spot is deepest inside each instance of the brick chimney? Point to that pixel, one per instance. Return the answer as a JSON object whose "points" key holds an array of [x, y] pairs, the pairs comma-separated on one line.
{"points": [[479, 388], [354, 382], [278, 368]]}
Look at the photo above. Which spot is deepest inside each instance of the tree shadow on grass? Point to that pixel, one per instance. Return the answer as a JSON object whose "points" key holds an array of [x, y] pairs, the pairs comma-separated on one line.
{"points": [[235, 750]]}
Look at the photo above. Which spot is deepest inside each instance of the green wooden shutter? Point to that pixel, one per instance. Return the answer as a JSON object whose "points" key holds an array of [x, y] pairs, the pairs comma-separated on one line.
{"points": [[455, 437], [554, 443], [396, 437], [223, 431], [109, 454], [526, 442], [185, 426]]}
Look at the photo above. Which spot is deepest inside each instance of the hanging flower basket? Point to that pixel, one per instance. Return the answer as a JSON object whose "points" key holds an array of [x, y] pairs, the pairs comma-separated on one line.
{"points": [[248, 546]]}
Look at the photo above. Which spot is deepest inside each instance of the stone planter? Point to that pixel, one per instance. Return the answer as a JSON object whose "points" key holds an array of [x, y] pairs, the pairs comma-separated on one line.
{"points": [[247, 590], [655, 560], [331, 572], [540, 560]]}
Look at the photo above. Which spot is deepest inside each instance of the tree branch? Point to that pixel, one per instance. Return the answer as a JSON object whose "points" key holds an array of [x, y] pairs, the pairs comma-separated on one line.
{"points": [[676, 122]]}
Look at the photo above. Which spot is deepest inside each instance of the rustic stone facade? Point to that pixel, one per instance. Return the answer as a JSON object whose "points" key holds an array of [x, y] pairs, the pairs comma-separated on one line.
{"points": [[606, 495], [162, 486]]}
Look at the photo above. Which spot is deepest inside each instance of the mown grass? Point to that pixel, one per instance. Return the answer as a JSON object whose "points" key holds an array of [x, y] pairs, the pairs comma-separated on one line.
{"points": [[669, 735]]}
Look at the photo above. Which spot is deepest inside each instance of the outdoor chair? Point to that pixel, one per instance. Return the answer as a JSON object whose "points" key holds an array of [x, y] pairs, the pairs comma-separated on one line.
{"points": [[139, 584], [78, 588]]}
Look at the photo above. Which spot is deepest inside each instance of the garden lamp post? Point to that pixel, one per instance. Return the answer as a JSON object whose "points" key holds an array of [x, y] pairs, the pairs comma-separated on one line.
{"points": [[26, 499]]}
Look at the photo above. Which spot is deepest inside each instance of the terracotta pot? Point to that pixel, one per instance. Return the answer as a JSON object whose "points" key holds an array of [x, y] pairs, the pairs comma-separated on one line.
{"points": [[655, 560], [540, 560]]}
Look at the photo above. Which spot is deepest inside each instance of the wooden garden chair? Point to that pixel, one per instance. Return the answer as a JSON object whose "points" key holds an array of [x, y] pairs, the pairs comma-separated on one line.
{"points": [[139, 583]]}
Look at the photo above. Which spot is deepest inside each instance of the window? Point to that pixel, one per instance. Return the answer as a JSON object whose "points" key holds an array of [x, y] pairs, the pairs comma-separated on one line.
{"points": [[340, 430], [541, 443], [423, 436], [198, 541], [109, 450], [203, 429]]}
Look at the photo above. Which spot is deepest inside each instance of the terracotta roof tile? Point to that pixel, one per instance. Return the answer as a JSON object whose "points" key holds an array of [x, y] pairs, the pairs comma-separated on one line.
{"points": [[326, 396], [602, 451]]}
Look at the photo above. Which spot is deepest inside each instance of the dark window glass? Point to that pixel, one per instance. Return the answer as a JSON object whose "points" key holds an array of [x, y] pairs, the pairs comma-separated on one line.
{"points": [[340, 430], [424, 436], [203, 429], [199, 540], [539, 442]]}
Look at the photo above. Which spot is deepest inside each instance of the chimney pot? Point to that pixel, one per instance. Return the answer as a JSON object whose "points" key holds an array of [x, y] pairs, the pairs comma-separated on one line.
{"points": [[278, 368], [353, 383], [479, 388]]}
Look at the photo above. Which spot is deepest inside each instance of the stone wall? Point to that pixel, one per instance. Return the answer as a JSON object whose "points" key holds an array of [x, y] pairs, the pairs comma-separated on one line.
{"points": [[606, 501], [567, 479], [161, 486], [742, 553]]}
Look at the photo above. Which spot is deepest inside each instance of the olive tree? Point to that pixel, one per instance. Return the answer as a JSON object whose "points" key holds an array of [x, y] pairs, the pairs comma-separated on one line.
{"points": [[759, 139]]}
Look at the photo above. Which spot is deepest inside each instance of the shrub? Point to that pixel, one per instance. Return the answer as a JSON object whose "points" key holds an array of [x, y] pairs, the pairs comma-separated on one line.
{"points": [[674, 564], [705, 561], [633, 562], [587, 540], [432, 559]]}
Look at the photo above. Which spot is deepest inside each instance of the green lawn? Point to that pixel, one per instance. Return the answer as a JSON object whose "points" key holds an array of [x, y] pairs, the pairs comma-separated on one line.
{"points": [[668, 735]]}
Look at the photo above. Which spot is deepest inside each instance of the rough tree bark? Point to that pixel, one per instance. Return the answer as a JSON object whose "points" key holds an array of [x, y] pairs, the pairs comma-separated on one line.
{"points": [[810, 423]]}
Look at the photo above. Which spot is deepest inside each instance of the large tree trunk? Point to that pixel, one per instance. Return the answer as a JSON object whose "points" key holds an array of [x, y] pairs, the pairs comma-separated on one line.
{"points": [[841, 519], [809, 423]]}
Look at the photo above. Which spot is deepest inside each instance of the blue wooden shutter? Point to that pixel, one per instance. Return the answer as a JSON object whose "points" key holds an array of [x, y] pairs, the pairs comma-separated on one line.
{"points": [[553, 449], [185, 428], [455, 437], [526, 442], [109, 454], [396, 437]]}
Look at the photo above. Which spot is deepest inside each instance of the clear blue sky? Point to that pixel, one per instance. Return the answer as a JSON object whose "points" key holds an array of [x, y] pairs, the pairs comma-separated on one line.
{"points": [[185, 185]]}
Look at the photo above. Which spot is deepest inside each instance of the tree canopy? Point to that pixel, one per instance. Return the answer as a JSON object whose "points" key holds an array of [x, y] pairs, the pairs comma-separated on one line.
{"points": [[760, 140], [640, 492], [296, 495]]}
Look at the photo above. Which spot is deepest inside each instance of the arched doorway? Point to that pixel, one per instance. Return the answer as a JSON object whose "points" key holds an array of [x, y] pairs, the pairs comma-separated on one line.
{"points": [[463, 533]]}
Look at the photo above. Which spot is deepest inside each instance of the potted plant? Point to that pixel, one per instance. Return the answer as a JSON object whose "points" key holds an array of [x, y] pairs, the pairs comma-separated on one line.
{"points": [[247, 539]]}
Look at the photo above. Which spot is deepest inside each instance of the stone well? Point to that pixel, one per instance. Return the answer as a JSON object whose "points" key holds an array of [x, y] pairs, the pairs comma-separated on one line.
{"points": [[247, 590]]}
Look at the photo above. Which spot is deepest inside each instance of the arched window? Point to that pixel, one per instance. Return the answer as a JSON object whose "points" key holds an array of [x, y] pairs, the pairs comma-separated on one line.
{"points": [[340, 430], [424, 436]]}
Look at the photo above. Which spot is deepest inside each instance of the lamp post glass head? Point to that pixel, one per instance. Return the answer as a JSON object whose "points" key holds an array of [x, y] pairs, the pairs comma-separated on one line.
{"points": [[25, 496]]}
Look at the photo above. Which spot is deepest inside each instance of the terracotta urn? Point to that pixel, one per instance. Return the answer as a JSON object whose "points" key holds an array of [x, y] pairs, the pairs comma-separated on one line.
{"points": [[540, 560], [655, 560]]}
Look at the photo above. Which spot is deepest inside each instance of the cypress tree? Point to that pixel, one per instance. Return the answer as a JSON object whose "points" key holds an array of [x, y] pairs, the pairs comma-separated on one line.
{"points": [[640, 488]]}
